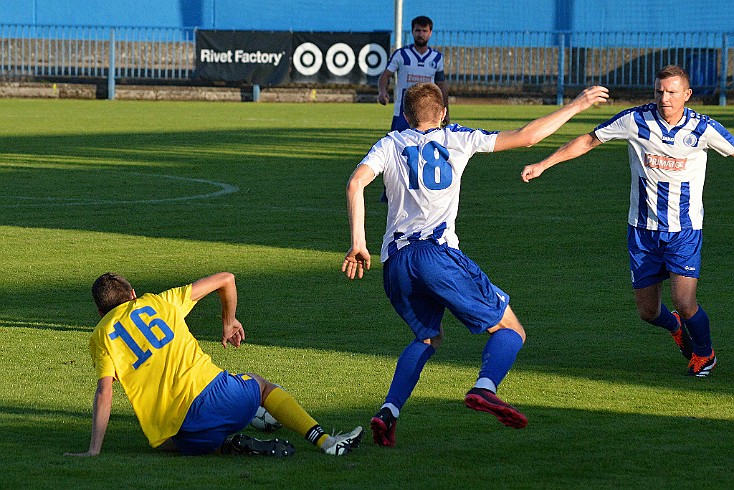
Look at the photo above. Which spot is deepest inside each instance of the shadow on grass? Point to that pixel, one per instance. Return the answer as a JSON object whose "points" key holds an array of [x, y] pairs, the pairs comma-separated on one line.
{"points": [[560, 448], [281, 185], [277, 187], [40, 326], [357, 318], [291, 195]]}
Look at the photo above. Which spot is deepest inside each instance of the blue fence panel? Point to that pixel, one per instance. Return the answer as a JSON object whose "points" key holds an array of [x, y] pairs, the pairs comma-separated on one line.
{"points": [[577, 59], [631, 59], [508, 60], [83, 52]]}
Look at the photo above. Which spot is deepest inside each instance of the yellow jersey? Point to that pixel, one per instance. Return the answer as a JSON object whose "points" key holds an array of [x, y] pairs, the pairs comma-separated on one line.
{"points": [[147, 346]]}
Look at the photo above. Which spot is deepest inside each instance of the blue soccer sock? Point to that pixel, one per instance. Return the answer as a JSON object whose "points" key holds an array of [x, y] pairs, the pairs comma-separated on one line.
{"points": [[499, 354], [700, 331], [408, 371], [666, 319]]}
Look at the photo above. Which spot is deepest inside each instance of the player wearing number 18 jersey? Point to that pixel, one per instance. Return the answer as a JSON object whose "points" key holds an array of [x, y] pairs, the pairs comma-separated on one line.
{"points": [[424, 271], [425, 205]]}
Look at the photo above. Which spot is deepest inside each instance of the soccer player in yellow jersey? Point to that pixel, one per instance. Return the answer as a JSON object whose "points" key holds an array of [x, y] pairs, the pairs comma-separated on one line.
{"points": [[182, 400]]}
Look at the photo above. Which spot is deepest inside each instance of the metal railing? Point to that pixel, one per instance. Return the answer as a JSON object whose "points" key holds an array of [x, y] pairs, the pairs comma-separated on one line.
{"points": [[521, 60], [88, 52], [577, 59]]}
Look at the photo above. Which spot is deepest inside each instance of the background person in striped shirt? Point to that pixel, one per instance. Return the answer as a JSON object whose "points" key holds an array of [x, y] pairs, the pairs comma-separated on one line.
{"points": [[415, 63], [668, 146]]}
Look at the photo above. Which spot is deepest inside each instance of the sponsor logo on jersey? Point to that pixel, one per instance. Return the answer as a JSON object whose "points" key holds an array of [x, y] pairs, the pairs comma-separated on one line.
{"points": [[419, 78], [665, 163], [668, 139]]}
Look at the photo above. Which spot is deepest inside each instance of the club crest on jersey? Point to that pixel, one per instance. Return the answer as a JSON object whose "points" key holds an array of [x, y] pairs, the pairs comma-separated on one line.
{"points": [[690, 140]]}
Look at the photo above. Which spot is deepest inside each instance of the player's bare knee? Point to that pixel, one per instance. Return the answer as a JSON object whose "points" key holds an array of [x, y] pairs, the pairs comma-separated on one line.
{"points": [[648, 314], [519, 330], [436, 341], [515, 328], [510, 322], [686, 311], [266, 387]]}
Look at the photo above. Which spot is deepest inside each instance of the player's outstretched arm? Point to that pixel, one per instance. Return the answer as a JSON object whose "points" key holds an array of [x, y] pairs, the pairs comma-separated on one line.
{"points": [[358, 257], [574, 148], [100, 417], [224, 284], [539, 129]]}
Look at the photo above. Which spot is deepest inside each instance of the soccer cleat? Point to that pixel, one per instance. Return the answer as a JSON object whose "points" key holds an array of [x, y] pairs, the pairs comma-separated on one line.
{"points": [[701, 366], [485, 401], [682, 338], [244, 444], [383, 428], [344, 443]]}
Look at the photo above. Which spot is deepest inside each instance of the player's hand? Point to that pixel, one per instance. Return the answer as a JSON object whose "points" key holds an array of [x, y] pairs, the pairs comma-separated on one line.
{"points": [[383, 98], [233, 333], [531, 171], [591, 96], [355, 263]]}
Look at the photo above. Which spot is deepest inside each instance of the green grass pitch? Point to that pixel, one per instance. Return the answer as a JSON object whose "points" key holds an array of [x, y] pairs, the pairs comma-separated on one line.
{"points": [[167, 192]]}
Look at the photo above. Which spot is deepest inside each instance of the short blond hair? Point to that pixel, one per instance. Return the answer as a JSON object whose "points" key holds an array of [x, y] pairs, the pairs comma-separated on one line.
{"points": [[671, 71], [423, 102]]}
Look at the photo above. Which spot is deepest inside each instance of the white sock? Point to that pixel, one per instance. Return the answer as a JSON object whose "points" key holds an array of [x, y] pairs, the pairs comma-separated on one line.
{"points": [[393, 409], [487, 384]]}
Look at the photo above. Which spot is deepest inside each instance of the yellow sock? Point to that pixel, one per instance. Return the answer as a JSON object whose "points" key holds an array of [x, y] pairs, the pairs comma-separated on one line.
{"points": [[292, 415]]}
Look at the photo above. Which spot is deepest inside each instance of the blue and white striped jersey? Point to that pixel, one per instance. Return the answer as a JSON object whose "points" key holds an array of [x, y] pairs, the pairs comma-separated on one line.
{"points": [[668, 164], [422, 175], [412, 68]]}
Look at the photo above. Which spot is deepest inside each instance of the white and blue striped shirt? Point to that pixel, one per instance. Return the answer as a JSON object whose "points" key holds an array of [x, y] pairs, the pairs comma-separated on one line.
{"points": [[422, 175], [412, 68], [668, 164]]}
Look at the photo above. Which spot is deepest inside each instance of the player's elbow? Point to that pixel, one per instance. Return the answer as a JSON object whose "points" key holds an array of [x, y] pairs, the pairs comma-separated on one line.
{"points": [[359, 180], [354, 186], [224, 281], [527, 137], [227, 278], [104, 388], [532, 138]]}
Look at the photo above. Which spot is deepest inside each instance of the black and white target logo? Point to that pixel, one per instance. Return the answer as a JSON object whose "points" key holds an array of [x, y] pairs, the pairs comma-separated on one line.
{"points": [[340, 59], [372, 59]]}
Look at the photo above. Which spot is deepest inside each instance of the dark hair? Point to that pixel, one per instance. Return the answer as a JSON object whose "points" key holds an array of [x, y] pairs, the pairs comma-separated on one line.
{"points": [[110, 290], [421, 20], [422, 102], [670, 71]]}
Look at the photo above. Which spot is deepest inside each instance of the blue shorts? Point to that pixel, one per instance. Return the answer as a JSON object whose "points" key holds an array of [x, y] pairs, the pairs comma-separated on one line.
{"points": [[655, 254], [423, 279], [225, 406], [399, 123]]}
